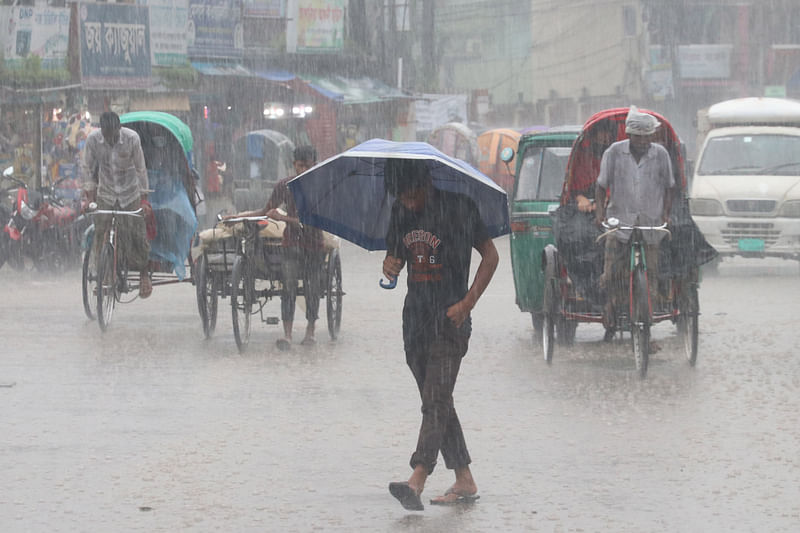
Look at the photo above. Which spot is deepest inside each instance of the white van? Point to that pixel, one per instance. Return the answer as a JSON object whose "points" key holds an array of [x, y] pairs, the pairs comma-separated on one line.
{"points": [[745, 194]]}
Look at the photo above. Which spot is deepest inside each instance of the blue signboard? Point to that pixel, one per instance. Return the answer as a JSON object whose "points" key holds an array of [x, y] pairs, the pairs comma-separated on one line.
{"points": [[215, 29], [115, 46]]}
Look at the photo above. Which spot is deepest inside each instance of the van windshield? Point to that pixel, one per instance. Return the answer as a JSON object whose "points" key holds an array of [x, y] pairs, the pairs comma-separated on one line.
{"points": [[541, 174], [763, 154]]}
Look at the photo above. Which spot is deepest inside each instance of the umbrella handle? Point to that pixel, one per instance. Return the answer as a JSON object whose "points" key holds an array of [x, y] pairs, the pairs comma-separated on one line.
{"points": [[390, 285]]}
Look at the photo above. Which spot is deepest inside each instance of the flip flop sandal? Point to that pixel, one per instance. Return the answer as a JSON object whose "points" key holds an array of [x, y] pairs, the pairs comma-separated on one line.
{"points": [[461, 498], [407, 496]]}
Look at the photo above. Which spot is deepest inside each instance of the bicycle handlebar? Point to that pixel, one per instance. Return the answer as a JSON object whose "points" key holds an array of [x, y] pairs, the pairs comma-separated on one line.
{"points": [[611, 228], [92, 210], [243, 219]]}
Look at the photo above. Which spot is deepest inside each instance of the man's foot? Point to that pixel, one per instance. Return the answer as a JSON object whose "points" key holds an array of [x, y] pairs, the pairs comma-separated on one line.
{"points": [[453, 496], [407, 495], [145, 286], [654, 347], [308, 341], [283, 344], [609, 335]]}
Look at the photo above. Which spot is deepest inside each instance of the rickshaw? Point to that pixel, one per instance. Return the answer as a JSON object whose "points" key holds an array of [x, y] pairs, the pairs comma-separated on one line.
{"points": [[491, 144], [572, 266], [260, 159], [540, 166], [456, 140], [167, 146], [241, 258]]}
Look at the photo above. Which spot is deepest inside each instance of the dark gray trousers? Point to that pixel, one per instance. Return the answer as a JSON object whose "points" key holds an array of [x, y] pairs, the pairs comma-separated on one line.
{"points": [[435, 365]]}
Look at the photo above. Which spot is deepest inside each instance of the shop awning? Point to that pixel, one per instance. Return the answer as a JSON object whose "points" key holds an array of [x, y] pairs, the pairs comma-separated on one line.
{"points": [[275, 75], [160, 102], [222, 69], [351, 91]]}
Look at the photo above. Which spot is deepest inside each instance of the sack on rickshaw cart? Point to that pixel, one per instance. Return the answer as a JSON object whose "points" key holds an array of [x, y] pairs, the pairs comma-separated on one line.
{"points": [[219, 241], [576, 232]]}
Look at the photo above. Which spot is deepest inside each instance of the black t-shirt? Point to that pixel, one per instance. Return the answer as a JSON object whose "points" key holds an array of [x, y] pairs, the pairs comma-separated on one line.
{"points": [[436, 244]]}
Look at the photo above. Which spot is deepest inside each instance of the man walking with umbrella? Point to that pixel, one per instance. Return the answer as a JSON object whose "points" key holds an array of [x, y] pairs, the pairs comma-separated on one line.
{"points": [[432, 233]]}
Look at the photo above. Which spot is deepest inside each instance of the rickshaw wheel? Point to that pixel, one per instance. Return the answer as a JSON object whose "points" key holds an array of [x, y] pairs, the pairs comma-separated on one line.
{"points": [[242, 296], [640, 323], [106, 287], [549, 320], [688, 323], [548, 337], [565, 331], [333, 300], [88, 278], [207, 290], [537, 322]]}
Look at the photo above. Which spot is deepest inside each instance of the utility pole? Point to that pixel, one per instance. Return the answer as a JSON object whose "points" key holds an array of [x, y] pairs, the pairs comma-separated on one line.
{"points": [[428, 45]]}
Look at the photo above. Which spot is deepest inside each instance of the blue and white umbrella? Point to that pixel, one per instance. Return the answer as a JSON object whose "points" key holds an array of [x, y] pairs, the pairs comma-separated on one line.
{"points": [[345, 194]]}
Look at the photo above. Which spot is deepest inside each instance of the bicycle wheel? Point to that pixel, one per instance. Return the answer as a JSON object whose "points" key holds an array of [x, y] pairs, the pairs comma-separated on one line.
{"points": [[88, 279], [688, 323], [640, 322], [333, 299], [548, 321], [565, 331], [242, 296], [207, 289], [106, 287]]}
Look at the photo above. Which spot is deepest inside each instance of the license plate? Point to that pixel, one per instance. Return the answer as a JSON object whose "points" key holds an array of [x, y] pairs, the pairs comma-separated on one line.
{"points": [[751, 245]]}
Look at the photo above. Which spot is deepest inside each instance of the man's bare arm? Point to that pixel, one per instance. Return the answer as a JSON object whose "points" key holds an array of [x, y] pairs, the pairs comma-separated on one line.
{"points": [[489, 259]]}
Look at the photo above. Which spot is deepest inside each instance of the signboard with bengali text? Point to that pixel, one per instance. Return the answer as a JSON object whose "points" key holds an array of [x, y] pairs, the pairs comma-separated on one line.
{"points": [[215, 29], [39, 31], [169, 20], [320, 25], [115, 46], [705, 61], [264, 8]]}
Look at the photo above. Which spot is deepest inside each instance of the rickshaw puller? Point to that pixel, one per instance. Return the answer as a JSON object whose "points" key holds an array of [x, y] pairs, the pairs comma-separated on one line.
{"points": [[303, 252], [115, 177], [634, 186]]}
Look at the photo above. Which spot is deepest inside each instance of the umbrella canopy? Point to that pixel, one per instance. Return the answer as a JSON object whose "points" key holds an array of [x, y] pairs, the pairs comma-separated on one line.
{"points": [[345, 194]]}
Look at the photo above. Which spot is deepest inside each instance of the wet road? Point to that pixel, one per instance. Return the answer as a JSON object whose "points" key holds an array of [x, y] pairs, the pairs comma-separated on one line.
{"points": [[150, 428]]}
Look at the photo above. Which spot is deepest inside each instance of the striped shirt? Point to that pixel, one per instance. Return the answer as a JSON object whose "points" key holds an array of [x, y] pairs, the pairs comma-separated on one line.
{"points": [[117, 172]]}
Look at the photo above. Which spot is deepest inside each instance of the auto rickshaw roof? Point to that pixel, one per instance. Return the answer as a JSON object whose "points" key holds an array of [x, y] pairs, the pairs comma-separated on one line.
{"points": [[508, 132], [173, 124], [554, 133]]}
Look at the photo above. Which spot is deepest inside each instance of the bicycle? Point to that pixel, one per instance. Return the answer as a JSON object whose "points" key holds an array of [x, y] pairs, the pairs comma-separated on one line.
{"points": [[640, 305], [111, 278]]}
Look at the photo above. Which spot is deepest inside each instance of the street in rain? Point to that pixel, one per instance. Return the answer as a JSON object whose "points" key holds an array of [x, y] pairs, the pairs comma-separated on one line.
{"points": [[150, 427], [184, 182]]}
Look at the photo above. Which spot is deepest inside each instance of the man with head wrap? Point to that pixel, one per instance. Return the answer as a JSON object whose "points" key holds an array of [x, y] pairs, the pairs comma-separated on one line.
{"points": [[633, 186]]}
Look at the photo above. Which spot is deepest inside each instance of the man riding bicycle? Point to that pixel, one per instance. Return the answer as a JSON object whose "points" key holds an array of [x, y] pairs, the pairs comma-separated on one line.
{"points": [[115, 177], [634, 187]]}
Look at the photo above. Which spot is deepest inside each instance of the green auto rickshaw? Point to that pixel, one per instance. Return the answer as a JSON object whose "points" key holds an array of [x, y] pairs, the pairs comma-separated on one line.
{"points": [[541, 164]]}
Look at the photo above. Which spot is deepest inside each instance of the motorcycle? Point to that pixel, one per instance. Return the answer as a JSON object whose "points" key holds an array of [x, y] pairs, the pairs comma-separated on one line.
{"points": [[41, 228]]}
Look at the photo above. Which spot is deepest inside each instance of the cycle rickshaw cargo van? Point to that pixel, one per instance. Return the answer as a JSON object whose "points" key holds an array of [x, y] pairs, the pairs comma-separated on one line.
{"points": [[745, 195]]}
